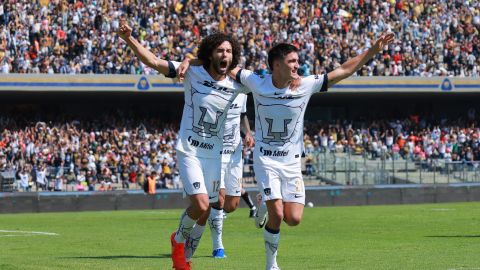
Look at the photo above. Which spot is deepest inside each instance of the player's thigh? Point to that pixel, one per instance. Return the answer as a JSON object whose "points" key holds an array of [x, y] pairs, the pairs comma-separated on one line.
{"points": [[233, 177], [191, 174], [268, 181], [293, 188], [293, 193]]}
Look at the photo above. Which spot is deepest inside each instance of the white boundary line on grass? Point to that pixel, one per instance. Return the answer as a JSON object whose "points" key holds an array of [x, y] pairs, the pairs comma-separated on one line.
{"points": [[25, 233]]}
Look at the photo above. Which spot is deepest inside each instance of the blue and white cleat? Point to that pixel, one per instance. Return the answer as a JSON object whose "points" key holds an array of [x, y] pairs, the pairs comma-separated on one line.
{"points": [[219, 253]]}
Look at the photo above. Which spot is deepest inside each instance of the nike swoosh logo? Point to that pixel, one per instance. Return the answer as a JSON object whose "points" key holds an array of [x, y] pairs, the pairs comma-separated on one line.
{"points": [[278, 93], [237, 191], [298, 196], [212, 197]]}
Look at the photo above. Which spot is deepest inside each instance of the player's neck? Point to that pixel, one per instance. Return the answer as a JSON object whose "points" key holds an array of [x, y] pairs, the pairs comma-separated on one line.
{"points": [[216, 76], [280, 82]]}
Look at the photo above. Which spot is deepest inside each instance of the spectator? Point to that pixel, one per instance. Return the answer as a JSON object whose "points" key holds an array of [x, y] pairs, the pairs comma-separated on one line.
{"points": [[71, 37], [152, 182]]}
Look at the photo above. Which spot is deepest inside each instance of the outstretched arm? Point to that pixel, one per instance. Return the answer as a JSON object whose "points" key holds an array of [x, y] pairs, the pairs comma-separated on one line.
{"points": [[354, 64], [146, 56]]}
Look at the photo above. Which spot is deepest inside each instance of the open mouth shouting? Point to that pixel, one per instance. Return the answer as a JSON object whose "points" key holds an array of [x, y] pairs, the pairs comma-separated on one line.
{"points": [[223, 66]]}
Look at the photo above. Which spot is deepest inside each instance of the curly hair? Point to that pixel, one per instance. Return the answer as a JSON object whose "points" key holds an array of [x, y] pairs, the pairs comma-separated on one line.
{"points": [[279, 51], [211, 42]]}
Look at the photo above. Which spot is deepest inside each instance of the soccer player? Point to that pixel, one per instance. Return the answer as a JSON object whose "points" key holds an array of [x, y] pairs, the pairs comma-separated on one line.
{"points": [[209, 93], [231, 176], [279, 113]]}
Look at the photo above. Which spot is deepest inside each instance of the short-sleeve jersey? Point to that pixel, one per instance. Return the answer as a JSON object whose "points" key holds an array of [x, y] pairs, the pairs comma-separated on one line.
{"points": [[232, 141], [206, 106], [279, 115]]}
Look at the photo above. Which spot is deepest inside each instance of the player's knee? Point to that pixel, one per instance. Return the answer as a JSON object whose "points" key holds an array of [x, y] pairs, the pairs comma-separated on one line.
{"points": [[231, 203], [276, 216], [293, 221], [230, 207], [201, 205]]}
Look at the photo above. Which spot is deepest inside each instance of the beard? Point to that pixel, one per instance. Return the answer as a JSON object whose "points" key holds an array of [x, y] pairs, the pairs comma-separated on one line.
{"points": [[221, 67]]}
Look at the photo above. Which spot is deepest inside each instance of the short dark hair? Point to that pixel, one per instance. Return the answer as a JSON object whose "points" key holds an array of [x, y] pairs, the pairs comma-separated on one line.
{"points": [[278, 52], [211, 42]]}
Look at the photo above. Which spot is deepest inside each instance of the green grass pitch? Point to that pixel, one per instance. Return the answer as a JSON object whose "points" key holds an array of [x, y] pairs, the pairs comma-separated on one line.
{"points": [[428, 236]]}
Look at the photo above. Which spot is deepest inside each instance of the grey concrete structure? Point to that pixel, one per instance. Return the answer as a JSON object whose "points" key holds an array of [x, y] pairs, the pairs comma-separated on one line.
{"points": [[171, 199]]}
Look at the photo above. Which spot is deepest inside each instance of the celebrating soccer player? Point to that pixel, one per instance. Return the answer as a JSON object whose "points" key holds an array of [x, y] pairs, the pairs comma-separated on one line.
{"points": [[209, 93]]}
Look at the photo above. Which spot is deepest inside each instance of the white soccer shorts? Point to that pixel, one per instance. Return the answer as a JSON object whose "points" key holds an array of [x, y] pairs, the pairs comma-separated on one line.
{"points": [[277, 181], [199, 175], [231, 175]]}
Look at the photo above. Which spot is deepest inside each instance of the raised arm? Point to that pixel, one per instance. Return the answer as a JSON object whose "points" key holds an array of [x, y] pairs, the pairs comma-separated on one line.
{"points": [[354, 64], [146, 56]]}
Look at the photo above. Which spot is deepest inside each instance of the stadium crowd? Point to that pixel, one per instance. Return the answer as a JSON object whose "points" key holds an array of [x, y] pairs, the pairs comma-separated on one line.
{"points": [[123, 150], [88, 154], [434, 38], [413, 138]]}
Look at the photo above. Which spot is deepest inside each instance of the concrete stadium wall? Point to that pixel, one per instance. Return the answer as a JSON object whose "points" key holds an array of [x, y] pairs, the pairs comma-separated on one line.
{"points": [[319, 196]]}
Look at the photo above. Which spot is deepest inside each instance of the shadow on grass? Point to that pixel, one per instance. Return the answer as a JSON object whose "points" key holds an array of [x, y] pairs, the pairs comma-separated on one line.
{"points": [[453, 236], [161, 256]]}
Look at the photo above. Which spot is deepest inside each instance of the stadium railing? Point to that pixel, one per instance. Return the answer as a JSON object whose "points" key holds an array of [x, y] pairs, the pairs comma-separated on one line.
{"points": [[348, 169]]}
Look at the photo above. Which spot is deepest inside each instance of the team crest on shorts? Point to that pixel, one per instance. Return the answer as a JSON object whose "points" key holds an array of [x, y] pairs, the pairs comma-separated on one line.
{"points": [[267, 191], [196, 185]]}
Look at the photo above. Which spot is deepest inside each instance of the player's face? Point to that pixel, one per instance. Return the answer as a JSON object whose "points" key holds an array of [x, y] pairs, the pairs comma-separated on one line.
{"points": [[289, 66], [221, 58]]}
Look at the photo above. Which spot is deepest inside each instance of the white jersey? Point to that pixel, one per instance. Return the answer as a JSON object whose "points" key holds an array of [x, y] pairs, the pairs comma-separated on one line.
{"points": [[206, 105], [279, 116], [232, 143]]}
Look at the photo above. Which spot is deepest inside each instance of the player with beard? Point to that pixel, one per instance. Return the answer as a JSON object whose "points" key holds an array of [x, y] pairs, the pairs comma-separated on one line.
{"points": [[279, 113], [209, 93]]}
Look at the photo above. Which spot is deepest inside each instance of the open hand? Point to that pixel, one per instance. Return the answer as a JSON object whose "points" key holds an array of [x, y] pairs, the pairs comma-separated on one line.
{"points": [[383, 40], [124, 31]]}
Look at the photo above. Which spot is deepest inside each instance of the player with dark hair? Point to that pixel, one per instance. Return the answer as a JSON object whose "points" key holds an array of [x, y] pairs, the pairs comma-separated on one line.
{"points": [[209, 93]]}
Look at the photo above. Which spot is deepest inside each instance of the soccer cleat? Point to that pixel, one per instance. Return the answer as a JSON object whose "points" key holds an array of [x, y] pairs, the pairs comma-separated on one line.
{"points": [[262, 213], [219, 253], [253, 212], [178, 254]]}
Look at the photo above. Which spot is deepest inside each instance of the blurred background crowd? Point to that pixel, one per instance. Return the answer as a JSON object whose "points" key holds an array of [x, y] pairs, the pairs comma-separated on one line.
{"points": [[433, 38]]}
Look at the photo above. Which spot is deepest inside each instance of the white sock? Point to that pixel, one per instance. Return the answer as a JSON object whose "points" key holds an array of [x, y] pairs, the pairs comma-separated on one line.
{"points": [[184, 228], [215, 220], [192, 241], [271, 247]]}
